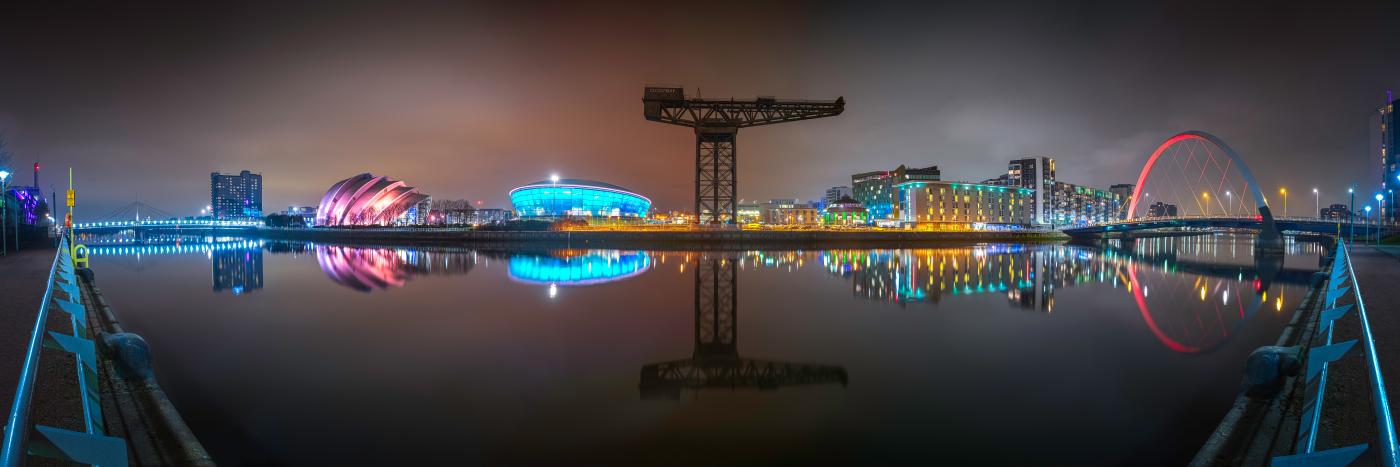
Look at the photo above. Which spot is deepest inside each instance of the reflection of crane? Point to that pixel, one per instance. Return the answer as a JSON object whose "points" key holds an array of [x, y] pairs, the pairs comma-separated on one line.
{"points": [[716, 362], [717, 123]]}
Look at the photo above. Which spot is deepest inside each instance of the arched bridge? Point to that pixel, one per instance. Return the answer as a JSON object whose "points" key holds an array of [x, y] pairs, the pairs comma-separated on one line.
{"points": [[1201, 176]]}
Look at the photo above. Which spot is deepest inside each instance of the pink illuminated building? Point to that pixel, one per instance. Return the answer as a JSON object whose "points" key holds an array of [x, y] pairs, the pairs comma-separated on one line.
{"points": [[369, 200]]}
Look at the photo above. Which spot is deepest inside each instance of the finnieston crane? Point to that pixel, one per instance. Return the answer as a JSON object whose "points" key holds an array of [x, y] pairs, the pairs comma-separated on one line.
{"points": [[716, 123]]}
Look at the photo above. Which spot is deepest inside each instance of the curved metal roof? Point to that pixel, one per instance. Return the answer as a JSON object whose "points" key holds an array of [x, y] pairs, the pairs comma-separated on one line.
{"points": [[578, 182]]}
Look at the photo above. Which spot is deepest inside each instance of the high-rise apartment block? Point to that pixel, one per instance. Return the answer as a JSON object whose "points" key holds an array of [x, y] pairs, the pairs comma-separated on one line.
{"points": [[236, 197]]}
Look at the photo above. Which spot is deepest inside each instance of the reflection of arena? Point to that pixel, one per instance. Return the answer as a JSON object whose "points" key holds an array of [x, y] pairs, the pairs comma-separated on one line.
{"points": [[366, 269], [575, 267]]}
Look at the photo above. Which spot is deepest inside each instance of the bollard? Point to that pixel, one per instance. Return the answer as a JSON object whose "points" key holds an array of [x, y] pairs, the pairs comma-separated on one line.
{"points": [[130, 354], [1266, 369]]}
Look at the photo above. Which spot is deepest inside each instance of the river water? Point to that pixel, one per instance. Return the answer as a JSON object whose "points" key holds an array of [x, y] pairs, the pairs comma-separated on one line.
{"points": [[297, 353]]}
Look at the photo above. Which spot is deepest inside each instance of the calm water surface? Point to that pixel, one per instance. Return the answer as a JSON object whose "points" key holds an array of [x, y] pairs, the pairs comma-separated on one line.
{"points": [[294, 353]]}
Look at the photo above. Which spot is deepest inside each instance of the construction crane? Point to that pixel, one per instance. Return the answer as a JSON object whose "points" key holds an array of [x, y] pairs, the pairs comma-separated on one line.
{"points": [[716, 123]]}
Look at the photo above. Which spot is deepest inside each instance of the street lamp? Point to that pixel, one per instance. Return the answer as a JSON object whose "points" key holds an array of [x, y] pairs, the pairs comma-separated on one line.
{"points": [[1284, 191], [1207, 203], [1351, 213], [1317, 205], [1380, 201], [4, 235], [1230, 201], [1368, 225]]}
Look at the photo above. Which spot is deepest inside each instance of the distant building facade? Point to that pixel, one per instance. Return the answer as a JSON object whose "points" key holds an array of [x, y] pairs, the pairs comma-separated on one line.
{"points": [[788, 212], [749, 213], [492, 215], [835, 194], [1160, 209], [1081, 205], [235, 197], [1335, 212], [1389, 153], [1125, 197], [1038, 174], [876, 190], [845, 211], [944, 205]]}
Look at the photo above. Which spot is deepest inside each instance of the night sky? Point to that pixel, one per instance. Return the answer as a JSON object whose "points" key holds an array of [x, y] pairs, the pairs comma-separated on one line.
{"points": [[469, 101]]}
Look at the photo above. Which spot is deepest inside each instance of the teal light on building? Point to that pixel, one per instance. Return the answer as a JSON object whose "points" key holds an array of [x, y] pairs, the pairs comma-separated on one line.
{"points": [[561, 198]]}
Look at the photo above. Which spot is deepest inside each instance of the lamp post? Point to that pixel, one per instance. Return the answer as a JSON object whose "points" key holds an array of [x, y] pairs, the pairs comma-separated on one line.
{"points": [[1367, 234], [1230, 202], [1317, 205], [4, 206], [1284, 191], [1380, 202], [1351, 213], [1207, 203]]}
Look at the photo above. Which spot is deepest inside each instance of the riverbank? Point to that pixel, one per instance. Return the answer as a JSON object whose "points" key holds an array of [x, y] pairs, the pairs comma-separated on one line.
{"points": [[704, 239], [1257, 429]]}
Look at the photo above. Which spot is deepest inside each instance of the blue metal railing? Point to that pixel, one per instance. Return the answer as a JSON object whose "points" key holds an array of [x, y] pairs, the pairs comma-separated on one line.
{"points": [[90, 446], [1318, 362]]}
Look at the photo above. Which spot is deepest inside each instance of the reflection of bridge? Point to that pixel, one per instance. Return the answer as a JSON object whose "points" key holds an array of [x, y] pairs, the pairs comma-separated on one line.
{"points": [[1194, 312], [1267, 269], [716, 362]]}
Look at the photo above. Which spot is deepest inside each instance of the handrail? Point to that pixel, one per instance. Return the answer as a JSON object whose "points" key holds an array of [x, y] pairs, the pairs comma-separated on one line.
{"points": [[90, 446], [17, 425], [1385, 425], [1319, 360]]}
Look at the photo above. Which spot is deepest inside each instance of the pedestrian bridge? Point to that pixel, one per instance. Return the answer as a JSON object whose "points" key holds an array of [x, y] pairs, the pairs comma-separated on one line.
{"points": [[101, 227]]}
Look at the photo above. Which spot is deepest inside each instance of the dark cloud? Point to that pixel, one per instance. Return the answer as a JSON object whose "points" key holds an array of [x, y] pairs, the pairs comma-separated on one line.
{"points": [[469, 100]]}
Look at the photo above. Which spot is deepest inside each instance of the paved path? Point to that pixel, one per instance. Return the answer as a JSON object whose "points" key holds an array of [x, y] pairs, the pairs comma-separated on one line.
{"points": [[1378, 274], [23, 276]]}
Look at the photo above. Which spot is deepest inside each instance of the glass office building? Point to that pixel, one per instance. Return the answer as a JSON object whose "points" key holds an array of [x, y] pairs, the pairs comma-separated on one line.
{"points": [[577, 198]]}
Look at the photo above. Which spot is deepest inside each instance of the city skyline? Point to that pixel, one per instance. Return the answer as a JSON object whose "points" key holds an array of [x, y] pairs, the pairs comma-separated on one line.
{"points": [[467, 101]]}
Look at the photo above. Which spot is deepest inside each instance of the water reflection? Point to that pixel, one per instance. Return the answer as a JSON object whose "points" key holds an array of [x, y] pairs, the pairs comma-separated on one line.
{"points": [[367, 269], [578, 267], [715, 362], [237, 271], [1030, 276], [1193, 294]]}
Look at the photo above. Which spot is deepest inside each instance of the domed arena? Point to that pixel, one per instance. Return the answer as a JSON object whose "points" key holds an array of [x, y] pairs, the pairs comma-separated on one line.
{"points": [[559, 198]]}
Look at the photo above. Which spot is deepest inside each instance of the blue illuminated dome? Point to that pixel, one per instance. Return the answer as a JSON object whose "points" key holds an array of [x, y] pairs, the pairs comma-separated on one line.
{"points": [[577, 198]]}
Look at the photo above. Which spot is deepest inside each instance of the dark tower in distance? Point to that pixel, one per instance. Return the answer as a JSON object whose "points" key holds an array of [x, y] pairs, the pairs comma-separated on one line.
{"points": [[716, 123]]}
